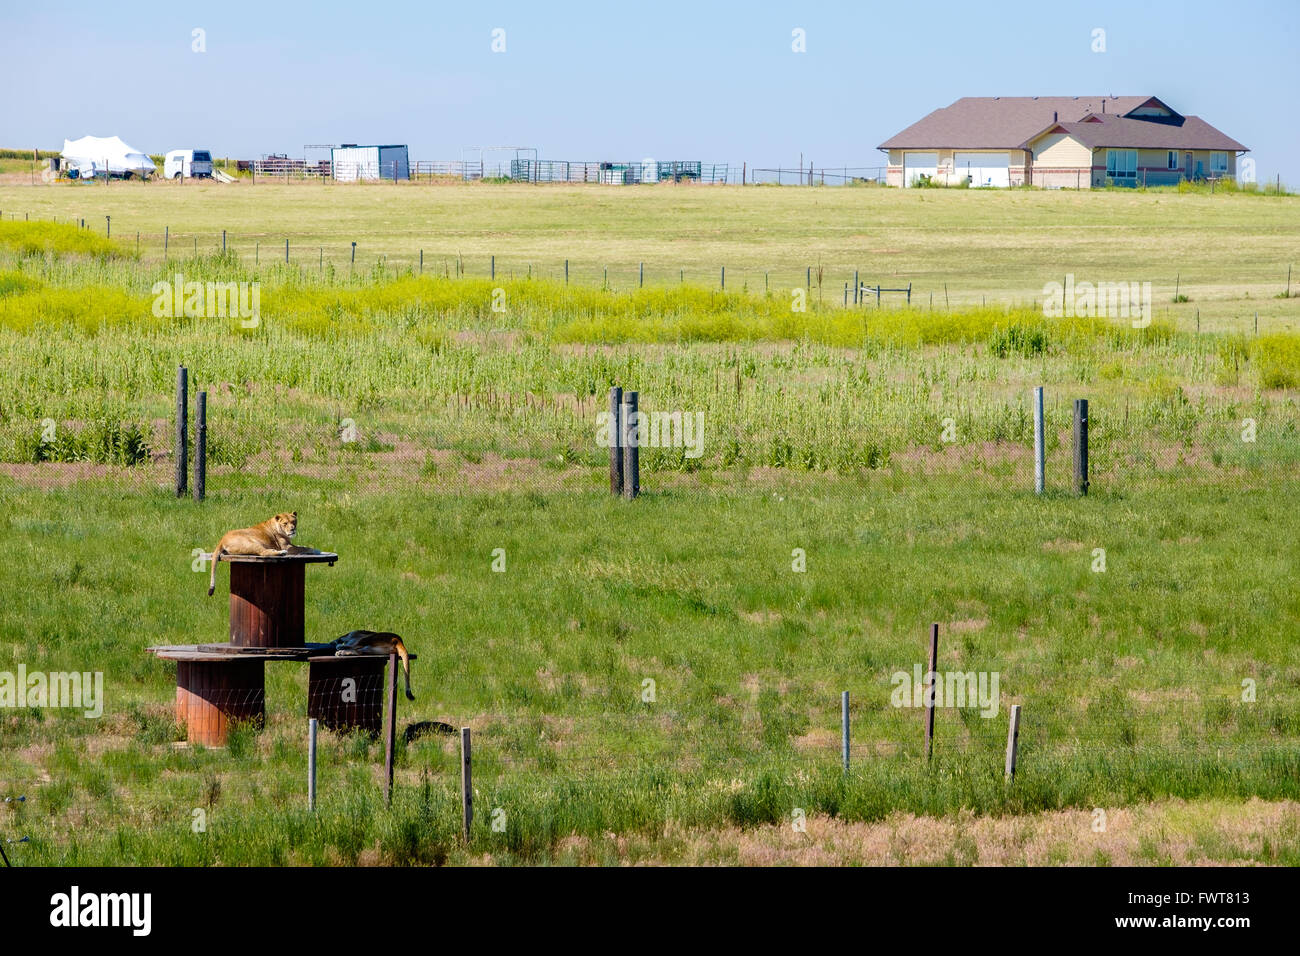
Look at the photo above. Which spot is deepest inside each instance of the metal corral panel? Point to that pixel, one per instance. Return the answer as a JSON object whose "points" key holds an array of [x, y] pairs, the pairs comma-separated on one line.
{"points": [[351, 163], [393, 162]]}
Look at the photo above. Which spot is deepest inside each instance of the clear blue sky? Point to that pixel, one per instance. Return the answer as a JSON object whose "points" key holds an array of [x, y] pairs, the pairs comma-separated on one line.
{"points": [[583, 80]]}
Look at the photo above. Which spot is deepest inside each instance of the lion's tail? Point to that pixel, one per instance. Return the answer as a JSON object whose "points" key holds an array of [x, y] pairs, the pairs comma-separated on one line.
{"points": [[212, 578], [406, 665]]}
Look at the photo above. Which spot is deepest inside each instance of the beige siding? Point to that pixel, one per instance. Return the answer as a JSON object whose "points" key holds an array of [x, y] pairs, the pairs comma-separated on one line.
{"points": [[1152, 159], [1060, 162], [1061, 151]]}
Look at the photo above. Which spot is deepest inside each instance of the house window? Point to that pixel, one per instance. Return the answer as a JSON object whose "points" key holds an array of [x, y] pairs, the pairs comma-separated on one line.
{"points": [[1121, 165], [1218, 164], [1173, 159]]}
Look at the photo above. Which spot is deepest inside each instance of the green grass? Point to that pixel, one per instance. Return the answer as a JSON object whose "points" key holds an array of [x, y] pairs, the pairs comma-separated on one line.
{"points": [[963, 247], [423, 365], [1130, 680], [892, 446]]}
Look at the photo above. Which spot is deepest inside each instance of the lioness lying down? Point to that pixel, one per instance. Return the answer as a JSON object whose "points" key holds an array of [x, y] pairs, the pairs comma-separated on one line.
{"points": [[271, 537], [362, 643]]}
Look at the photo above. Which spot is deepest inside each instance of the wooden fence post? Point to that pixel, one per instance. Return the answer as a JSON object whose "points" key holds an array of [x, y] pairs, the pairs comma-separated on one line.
{"points": [[1040, 476], [1013, 741], [182, 429], [615, 440], [844, 728], [390, 729], [466, 785], [201, 449], [1081, 445], [311, 765], [631, 443], [931, 677]]}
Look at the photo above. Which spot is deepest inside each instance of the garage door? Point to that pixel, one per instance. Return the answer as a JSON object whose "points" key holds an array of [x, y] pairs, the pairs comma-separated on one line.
{"points": [[985, 169], [919, 164]]}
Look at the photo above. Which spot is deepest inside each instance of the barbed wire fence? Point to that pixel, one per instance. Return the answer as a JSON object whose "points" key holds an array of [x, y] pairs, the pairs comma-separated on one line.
{"points": [[636, 754], [861, 286]]}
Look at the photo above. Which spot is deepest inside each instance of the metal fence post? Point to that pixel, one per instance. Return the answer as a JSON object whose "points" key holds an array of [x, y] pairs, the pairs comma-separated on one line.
{"points": [[931, 677], [1013, 742], [466, 784], [631, 441], [1081, 445], [844, 728], [182, 429], [201, 449], [615, 440], [1040, 476], [390, 729], [311, 764]]}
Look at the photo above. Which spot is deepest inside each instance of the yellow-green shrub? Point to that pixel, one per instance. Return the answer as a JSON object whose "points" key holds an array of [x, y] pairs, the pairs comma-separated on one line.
{"points": [[1277, 357], [40, 238]]}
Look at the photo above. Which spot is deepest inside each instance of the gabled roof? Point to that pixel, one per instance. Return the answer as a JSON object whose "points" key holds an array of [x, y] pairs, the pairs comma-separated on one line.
{"points": [[1185, 132], [993, 122]]}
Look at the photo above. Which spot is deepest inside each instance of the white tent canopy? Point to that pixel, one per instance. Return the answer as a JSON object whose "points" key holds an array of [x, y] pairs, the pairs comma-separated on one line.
{"points": [[97, 155]]}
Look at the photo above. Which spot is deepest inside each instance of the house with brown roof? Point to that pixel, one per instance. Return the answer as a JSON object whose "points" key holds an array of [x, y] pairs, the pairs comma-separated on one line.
{"points": [[1074, 142]]}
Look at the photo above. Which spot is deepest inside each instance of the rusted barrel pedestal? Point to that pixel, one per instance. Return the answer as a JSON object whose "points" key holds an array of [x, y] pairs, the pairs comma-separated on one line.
{"points": [[217, 684], [210, 695], [267, 595]]}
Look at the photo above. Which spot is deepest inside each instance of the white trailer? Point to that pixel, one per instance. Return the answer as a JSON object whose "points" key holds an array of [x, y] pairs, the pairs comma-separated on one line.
{"points": [[349, 163], [189, 163]]}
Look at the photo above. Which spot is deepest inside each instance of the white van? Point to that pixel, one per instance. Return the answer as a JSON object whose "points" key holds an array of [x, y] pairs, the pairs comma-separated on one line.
{"points": [[190, 163]]}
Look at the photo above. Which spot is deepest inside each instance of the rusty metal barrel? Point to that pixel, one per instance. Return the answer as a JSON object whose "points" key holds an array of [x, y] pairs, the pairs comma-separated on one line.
{"points": [[212, 695], [267, 596], [221, 684], [346, 692]]}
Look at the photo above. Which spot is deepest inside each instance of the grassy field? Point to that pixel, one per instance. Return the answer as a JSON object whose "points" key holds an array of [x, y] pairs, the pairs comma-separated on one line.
{"points": [[1228, 253], [892, 448], [1130, 679]]}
